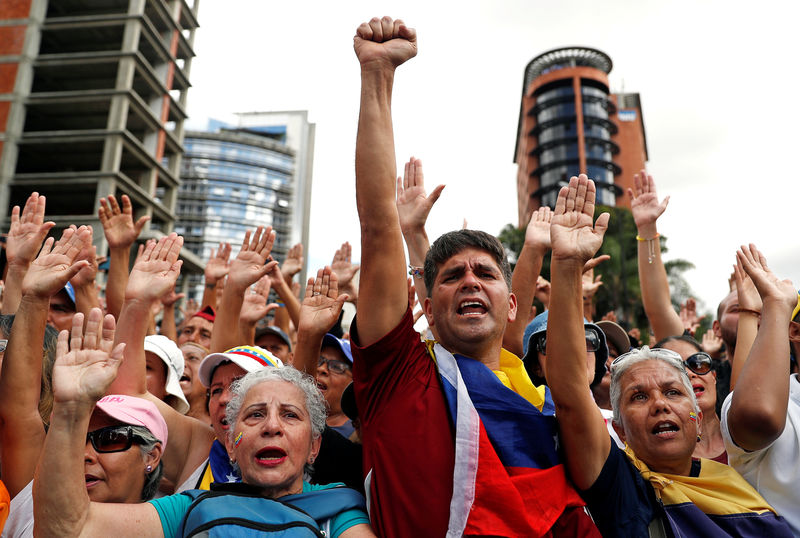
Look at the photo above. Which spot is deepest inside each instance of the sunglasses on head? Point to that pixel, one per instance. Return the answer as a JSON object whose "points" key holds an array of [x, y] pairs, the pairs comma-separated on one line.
{"points": [[699, 363], [112, 439], [654, 352], [592, 342], [337, 367]]}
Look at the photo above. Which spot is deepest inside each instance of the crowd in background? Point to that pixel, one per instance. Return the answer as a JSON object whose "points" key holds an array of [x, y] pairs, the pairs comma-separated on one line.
{"points": [[125, 408]]}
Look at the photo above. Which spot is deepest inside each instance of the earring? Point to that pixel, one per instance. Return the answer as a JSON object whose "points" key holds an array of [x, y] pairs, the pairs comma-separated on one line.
{"points": [[232, 462], [699, 437], [148, 468]]}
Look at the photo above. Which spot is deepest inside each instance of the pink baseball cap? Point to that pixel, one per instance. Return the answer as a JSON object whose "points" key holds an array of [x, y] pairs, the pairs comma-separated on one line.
{"points": [[136, 412]]}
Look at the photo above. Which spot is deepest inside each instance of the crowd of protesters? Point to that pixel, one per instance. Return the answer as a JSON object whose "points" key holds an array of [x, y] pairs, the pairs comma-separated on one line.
{"points": [[123, 414]]}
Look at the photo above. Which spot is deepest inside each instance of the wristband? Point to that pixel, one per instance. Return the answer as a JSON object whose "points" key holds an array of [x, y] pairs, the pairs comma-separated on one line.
{"points": [[749, 311], [416, 272], [651, 246]]}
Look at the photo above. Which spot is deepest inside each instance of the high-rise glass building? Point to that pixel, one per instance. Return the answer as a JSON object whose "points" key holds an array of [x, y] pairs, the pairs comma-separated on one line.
{"points": [[234, 180], [92, 103], [570, 123]]}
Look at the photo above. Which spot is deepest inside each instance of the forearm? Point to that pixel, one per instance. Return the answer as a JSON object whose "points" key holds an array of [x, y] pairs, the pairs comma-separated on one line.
{"points": [[655, 286], [757, 414], [306, 354], [281, 319], [247, 332], [225, 333], [523, 284], [168, 327], [746, 332], [418, 245], [20, 384], [210, 295], [12, 294], [290, 302], [581, 427], [131, 330], [60, 501], [86, 298], [119, 263], [383, 290]]}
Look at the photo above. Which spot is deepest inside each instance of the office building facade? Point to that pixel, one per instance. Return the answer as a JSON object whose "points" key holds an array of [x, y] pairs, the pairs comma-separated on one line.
{"points": [[92, 103], [233, 180], [571, 123]]}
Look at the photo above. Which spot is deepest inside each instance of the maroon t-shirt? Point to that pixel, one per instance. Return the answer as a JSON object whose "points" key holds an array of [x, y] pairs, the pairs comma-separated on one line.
{"points": [[406, 433]]}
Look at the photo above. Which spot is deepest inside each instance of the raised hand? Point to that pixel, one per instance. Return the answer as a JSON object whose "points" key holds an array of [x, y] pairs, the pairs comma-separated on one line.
{"points": [[217, 266], [118, 225], [155, 270], [644, 201], [56, 264], [748, 296], [170, 298], [255, 305], [769, 286], [293, 263], [384, 41], [591, 284], [248, 266], [322, 304], [413, 204], [27, 231], [572, 234], [688, 315], [341, 265], [86, 276], [537, 234], [543, 291], [86, 363], [711, 343]]}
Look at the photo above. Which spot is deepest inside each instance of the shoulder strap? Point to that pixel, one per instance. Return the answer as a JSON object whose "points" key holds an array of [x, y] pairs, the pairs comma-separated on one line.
{"points": [[323, 504]]}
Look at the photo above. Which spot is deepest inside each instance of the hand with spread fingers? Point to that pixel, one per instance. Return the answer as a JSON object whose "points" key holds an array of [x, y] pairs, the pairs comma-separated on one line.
{"points": [[644, 203], [249, 264], [118, 225], [255, 306], [155, 270], [218, 264], [689, 317], [345, 270], [573, 234], [86, 362], [413, 203], [293, 263], [27, 230], [537, 234], [56, 264], [322, 303]]}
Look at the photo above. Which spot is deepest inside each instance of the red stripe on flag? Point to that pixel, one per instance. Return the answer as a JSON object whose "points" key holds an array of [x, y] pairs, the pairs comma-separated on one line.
{"points": [[519, 501]]}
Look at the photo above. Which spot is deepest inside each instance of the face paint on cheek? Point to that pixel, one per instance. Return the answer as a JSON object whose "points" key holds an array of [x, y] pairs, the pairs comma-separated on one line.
{"points": [[238, 439], [692, 416]]}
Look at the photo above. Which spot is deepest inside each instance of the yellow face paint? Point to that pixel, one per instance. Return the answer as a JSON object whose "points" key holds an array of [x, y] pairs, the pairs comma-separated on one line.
{"points": [[692, 416], [238, 439]]}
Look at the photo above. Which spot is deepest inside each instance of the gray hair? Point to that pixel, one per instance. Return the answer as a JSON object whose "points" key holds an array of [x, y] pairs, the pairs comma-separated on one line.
{"points": [[619, 367], [147, 442], [315, 403]]}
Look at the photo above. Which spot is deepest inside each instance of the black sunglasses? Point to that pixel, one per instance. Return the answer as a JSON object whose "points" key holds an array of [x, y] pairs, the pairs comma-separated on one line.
{"points": [[112, 439], [337, 367], [699, 363], [592, 342]]}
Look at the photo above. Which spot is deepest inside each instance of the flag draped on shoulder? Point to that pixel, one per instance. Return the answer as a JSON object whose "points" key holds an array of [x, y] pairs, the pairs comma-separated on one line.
{"points": [[718, 503], [508, 478]]}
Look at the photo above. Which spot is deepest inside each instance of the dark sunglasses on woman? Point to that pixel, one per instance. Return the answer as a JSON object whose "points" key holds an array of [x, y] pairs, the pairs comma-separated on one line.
{"points": [[699, 363], [112, 439]]}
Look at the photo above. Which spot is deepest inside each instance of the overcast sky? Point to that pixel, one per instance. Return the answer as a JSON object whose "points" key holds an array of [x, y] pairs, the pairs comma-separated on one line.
{"points": [[717, 81]]}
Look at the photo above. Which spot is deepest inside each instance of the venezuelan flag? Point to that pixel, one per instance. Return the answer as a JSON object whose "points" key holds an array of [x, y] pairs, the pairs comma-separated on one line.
{"points": [[508, 478], [717, 503]]}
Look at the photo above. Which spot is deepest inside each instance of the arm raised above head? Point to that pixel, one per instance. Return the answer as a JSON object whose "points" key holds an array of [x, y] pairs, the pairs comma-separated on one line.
{"points": [[574, 241], [652, 275], [381, 45]]}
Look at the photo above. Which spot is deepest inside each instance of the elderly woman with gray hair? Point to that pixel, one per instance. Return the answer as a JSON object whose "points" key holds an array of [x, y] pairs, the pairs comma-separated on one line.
{"points": [[277, 416], [653, 487]]}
